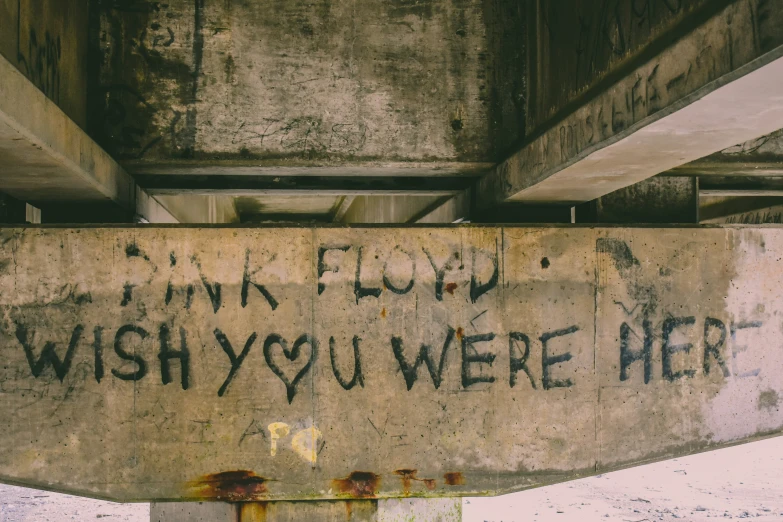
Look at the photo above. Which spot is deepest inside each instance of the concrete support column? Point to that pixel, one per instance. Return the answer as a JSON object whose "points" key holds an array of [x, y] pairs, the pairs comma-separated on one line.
{"points": [[669, 199], [391, 510]]}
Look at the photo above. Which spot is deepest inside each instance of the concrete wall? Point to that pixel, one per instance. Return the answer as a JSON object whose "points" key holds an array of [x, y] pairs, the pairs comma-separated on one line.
{"points": [[47, 41], [184, 363], [304, 83]]}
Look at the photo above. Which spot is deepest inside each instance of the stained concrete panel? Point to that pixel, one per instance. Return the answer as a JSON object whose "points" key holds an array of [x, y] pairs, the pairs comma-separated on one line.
{"points": [[300, 84], [330, 363], [576, 49], [47, 42]]}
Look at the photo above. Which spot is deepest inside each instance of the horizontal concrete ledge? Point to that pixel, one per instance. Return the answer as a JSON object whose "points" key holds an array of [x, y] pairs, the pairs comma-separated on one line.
{"points": [[741, 193], [46, 156], [261, 364], [713, 88], [303, 185], [740, 186], [283, 167], [707, 169]]}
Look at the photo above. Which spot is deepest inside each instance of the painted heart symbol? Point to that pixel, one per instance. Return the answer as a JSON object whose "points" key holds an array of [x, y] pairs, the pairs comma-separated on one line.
{"points": [[292, 355]]}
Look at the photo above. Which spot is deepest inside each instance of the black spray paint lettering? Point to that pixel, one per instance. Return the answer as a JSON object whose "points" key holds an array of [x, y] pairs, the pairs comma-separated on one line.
{"points": [[387, 282], [468, 358], [166, 354], [236, 360], [411, 371], [127, 294], [49, 355], [247, 280], [138, 360], [97, 346], [358, 289], [714, 349], [629, 356], [440, 273], [323, 267], [292, 355], [477, 289], [547, 361], [736, 350], [519, 363], [358, 377], [714, 339], [132, 250], [213, 290], [670, 324]]}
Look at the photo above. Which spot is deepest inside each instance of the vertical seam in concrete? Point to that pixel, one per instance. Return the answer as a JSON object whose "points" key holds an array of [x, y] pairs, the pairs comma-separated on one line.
{"points": [[597, 415], [314, 295], [189, 146], [502, 295], [135, 384]]}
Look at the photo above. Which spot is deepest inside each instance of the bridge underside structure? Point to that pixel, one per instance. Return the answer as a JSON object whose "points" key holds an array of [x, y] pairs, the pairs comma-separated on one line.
{"points": [[282, 363], [381, 251]]}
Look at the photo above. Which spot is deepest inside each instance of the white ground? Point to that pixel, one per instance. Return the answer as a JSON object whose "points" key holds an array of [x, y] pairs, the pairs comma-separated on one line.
{"points": [[736, 483]]}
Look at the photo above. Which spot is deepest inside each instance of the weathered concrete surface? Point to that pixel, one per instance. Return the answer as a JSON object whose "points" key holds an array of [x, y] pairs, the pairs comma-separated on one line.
{"points": [[714, 87], [553, 353], [453, 210], [46, 156], [48, 160], [719, 208], [662, 199], [762, 156], [755, 215], [47, 42], [304, 84], [571, 51], [390, 209]]}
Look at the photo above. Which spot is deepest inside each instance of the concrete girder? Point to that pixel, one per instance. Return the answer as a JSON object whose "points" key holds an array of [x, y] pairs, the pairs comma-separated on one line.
{"points": [[48, 159], [173, 363], [716, 86]]}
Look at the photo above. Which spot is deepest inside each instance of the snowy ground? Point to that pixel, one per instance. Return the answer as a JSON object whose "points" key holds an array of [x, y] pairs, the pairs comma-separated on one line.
{"points": [[736, 483]]}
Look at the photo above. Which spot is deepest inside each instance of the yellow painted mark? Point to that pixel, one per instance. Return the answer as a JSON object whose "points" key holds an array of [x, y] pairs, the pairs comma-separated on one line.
{"points": [[276, 431], [305, 443]]}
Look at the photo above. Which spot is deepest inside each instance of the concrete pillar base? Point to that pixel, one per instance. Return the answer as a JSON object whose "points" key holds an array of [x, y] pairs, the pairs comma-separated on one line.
{"points": [[391, 510]]}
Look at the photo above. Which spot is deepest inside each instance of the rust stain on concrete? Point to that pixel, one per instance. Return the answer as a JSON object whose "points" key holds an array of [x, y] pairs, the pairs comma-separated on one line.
{"points": [[454, 478], [359, 484], [231, 486]]}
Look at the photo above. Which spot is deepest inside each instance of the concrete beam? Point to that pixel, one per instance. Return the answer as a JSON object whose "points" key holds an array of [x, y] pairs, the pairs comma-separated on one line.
{"points": [[714, 87], [453, 210], [47, 159], [391, 209], [173, 363], [304, 185], [341, 207], [662, 199], [741, 186], [46, 156], [762, 156], [739, 209]]}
